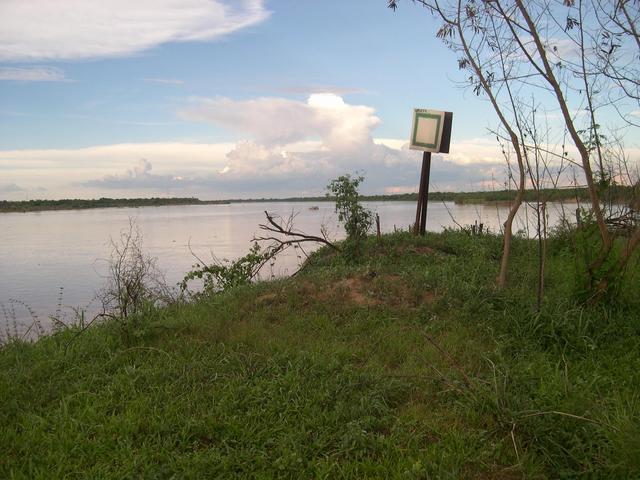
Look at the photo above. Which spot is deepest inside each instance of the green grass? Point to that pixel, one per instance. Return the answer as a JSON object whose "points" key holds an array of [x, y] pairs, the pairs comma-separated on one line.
{"points": [[339, 372]]}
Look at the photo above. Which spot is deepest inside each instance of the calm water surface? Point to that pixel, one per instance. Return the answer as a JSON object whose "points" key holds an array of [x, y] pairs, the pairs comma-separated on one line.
{"points": [[48, 256]]}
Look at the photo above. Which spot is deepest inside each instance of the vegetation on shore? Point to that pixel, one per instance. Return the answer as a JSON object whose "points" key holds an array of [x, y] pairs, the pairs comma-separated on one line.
{"points": [[617, 194], [81, 204], [403, 362]]}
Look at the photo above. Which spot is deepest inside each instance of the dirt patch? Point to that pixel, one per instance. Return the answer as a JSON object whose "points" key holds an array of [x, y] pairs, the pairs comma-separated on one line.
{"points": [[368, 290], [356, 291]]}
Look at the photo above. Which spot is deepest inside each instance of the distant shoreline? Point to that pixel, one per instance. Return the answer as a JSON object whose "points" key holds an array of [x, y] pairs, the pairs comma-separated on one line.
{"points": [[619, 194]]}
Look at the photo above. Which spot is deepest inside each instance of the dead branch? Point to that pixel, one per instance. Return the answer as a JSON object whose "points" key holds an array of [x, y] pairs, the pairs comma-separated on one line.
{"points": [[275, 225]]}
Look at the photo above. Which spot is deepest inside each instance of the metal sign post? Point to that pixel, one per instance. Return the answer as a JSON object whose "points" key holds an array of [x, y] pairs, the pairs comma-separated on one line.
{"points": [[423, 195], [430, 132]]}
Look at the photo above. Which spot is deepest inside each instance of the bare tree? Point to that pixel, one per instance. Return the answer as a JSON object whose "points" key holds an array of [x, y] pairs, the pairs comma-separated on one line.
{"points": [[579, 59], [133, 276]]}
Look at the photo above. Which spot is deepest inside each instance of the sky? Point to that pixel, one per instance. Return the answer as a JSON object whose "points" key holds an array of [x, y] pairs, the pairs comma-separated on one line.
{"points": [[223, 99]]}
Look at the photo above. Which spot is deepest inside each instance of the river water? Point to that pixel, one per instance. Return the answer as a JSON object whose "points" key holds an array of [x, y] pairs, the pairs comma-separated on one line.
{"points": [[57, 260]]}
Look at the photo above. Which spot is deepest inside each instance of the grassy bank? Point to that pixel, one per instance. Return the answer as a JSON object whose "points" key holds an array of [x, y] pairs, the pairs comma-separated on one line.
{"points": [[404, 364]]}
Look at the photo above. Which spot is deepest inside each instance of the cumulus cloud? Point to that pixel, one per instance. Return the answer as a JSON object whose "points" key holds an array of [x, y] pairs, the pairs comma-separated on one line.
{"points": [[138, 177], [245, 169], [474, 151], [76, 29], [290, 148], [279, 121], [337, 137]]}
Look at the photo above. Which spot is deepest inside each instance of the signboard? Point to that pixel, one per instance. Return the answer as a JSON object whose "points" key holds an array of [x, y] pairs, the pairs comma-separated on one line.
{"points": [[431, 130]]}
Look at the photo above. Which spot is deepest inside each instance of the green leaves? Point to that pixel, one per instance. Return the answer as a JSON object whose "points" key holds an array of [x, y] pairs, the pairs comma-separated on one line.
{"points": [[356, 218], [223, 275]]}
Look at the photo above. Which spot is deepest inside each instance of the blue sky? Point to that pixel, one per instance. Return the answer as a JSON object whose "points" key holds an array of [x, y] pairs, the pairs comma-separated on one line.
{"points": [[226, 99]]}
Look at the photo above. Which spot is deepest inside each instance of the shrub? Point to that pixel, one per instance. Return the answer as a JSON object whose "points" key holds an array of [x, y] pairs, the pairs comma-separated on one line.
{"points": [[134, 278], [223, 275], [357, 219]]}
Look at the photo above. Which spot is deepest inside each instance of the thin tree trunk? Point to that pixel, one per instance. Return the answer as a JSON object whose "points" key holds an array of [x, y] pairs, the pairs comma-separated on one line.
{"points": [[508, 224], [582, 149]]}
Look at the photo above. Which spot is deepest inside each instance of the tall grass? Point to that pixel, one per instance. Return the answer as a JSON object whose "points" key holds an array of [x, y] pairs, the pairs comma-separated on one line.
{"points": [[405, 362]]}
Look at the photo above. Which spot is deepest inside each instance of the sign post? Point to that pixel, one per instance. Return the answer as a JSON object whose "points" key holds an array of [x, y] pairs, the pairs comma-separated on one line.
{"points": [[430, 132]]}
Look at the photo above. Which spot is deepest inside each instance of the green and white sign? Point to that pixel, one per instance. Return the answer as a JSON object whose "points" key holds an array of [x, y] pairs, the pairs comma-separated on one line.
{"points": [[426, 131]]}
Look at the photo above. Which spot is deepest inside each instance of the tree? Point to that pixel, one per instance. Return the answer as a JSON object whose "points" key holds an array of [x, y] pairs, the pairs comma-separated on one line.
{"points": [[573, 59], [357, 219]]}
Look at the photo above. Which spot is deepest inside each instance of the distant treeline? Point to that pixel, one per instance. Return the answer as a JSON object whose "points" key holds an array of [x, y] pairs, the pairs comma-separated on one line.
{"points": [[618, 194], [615, 193], [78, 204]]}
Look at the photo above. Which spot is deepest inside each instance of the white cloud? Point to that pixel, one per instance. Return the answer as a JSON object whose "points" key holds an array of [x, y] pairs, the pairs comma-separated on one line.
{"points": [[249, 160], [279, 121], [59, 168], [475, 150], [76, 29], [463, 152], [394, 143], [562, 49], [245, 169], [290, 147], [32, 74], [142, 169]]}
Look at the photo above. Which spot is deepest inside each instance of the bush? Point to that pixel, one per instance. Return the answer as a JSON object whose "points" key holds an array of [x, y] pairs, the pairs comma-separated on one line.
{"points": [[134, 278], [224, 275], [357, 219]]}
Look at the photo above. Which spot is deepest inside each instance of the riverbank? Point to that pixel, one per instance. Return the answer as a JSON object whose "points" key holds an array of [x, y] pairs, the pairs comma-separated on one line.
{"points": [[617, 194], [407, 363]]}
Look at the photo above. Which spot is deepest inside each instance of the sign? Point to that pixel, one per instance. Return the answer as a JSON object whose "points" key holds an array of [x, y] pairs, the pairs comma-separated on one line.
{"points": [[431, 130]]}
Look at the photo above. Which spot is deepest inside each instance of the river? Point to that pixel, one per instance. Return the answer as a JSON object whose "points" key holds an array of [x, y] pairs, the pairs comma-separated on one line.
{"points": [[56, 261]]}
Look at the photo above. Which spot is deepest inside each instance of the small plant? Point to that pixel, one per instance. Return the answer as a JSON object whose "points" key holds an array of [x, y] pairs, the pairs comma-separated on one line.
{"points": [[357, 219], [15, 328], [134, 278], [223, 275]]}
